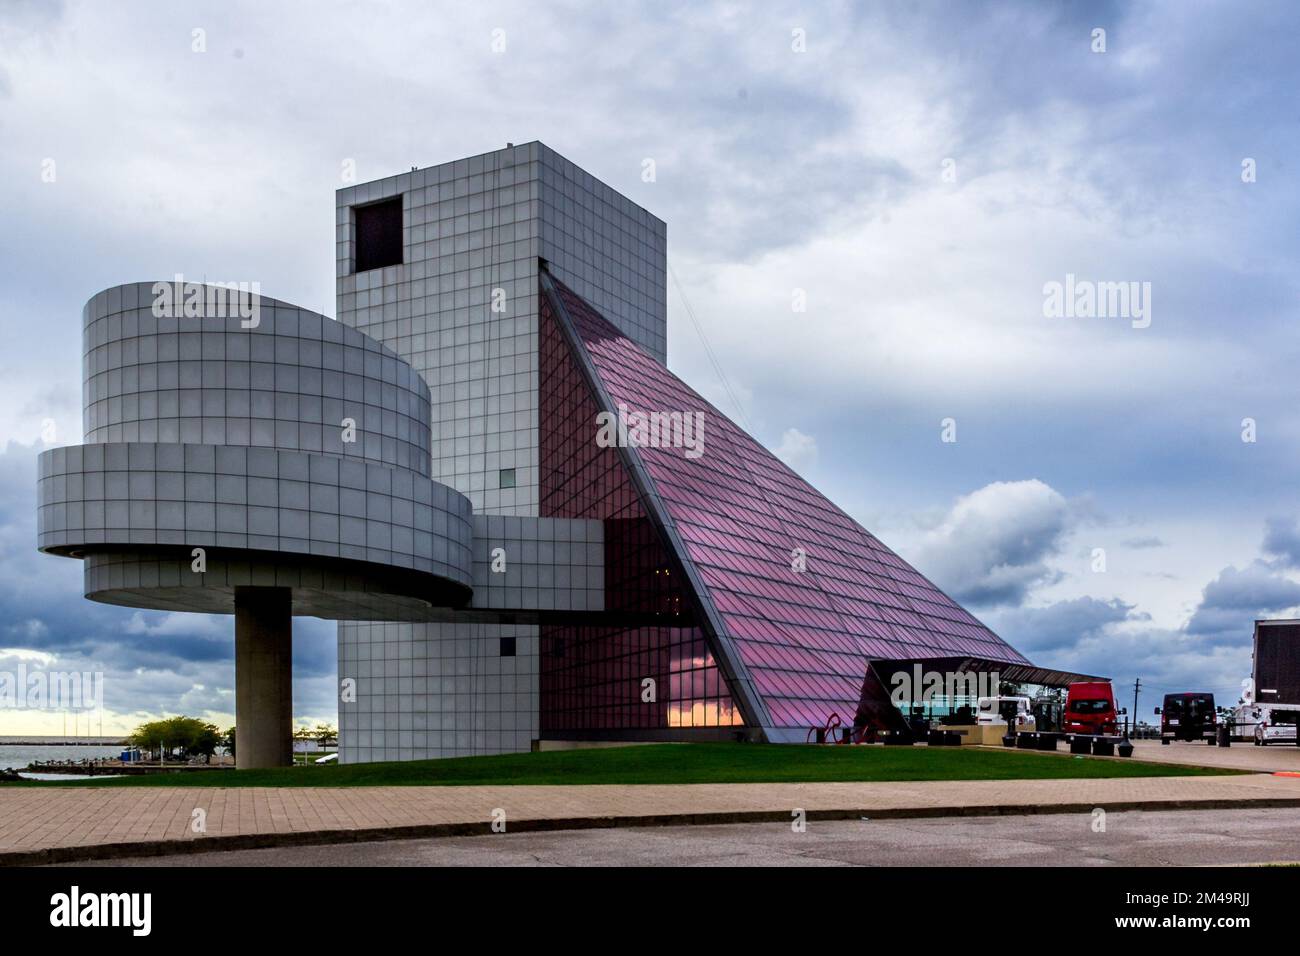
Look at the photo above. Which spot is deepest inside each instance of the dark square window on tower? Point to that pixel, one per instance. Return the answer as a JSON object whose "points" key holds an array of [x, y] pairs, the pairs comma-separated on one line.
{"points": [[379, 234], [507, 647], [507, 478]]}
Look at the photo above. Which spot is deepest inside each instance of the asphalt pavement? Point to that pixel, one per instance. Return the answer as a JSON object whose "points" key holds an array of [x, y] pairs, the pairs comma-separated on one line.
{"points": [[1139, 838]]}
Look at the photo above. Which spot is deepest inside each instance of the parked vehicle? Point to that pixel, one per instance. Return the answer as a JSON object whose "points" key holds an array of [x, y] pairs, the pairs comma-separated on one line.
{"points": [[1245, 718], [994, 710], [1276, 679], [1276, 659], [1090, 708], [1049, 714], [1276, 725], [1189, 717]]}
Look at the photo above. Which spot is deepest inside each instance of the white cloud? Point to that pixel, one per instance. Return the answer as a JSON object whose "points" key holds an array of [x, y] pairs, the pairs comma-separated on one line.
{"points": [[797, 450], [992, 548], [28, 656]]}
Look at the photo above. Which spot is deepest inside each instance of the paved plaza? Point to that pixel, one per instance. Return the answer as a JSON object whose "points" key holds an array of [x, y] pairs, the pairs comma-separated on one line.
{"points": [[41, 824]]}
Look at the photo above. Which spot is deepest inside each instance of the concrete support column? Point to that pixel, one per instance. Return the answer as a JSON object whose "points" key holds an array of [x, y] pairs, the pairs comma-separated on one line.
{"points": [[263, 677]]}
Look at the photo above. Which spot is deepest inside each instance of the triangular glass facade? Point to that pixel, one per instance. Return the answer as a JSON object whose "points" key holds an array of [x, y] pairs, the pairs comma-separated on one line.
{"points": [[793, 596], [594, 679]]}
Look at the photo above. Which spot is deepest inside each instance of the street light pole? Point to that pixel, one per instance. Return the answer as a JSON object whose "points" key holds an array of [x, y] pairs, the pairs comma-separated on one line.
{"points": [[1137, 686]]}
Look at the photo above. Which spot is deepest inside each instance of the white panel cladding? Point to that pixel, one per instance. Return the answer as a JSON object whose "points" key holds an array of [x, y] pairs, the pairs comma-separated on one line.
{"points": [[474, 230], [263, 499], [293, 381], [430, 690], [551, 564]]}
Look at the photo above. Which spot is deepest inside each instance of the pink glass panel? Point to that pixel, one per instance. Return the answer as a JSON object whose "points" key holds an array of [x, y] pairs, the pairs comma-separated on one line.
{"points": [[805, 636]]}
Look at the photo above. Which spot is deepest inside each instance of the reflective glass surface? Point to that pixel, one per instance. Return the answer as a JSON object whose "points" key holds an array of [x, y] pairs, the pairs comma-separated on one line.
{"points": [[656, 676], [806, 594]]}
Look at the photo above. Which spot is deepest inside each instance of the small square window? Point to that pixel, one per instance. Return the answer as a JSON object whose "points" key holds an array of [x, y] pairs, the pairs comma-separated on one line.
{"points": [[507, 478], [507, 647], [378, 234]]}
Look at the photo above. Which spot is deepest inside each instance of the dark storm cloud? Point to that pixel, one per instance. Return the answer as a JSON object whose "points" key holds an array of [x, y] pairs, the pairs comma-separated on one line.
{"points": [[1237, 597], [1282, 541], [1041, 631]]}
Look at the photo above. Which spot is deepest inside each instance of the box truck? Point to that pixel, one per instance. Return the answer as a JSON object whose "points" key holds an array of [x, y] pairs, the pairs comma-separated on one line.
{"points": [[1276, 670]]}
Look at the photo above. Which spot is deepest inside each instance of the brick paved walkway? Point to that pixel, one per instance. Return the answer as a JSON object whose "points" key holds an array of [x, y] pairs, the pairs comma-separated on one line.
{"points": [[1240, 756], [46, 824]]}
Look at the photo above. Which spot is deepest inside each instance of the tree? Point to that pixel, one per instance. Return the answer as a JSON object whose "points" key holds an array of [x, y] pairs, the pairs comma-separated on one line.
{"points": [[230, 741], [191, 736], [205, 742], [325, 734], [151, 736]]}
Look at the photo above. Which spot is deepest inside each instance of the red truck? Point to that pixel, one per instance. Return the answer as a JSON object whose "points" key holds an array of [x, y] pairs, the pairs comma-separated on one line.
{"points": [[1090, 708]]}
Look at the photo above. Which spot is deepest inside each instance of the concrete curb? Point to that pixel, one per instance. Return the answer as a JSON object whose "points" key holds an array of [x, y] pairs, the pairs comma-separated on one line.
{"points": [[259, 841]]}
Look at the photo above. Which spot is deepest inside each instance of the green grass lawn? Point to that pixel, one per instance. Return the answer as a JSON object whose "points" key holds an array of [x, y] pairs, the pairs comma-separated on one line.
{"points": [[675, 763]]}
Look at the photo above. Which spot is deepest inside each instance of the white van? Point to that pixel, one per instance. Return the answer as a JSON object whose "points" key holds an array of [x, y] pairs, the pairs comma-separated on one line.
{"points": [[1245, 718], [1276, 725], [990, 711]]}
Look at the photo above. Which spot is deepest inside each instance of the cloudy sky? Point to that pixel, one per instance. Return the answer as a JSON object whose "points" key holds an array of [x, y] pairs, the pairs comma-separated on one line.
{"points": [[918, 172]]}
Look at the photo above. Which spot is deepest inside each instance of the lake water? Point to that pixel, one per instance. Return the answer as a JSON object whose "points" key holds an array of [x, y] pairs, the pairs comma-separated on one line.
{"points": [[18, 756]]}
